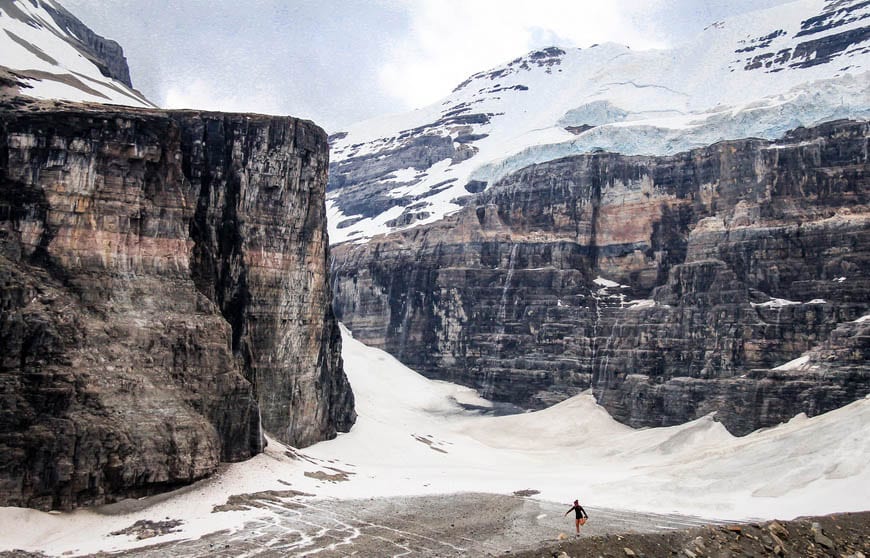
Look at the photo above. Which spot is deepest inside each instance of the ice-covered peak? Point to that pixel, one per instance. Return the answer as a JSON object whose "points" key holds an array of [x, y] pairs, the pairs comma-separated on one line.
{"points": [[758, 74], [53, 55], [546, 59]]}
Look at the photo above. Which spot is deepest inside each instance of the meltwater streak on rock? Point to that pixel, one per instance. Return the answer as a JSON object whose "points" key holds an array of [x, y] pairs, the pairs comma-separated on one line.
{"points": [[489, 378], [704, 242], [164, 287]]}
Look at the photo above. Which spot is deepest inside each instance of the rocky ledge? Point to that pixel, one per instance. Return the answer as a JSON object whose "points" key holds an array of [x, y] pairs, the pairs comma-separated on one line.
{"points": [[165, 298], [673, 286], [843, 535]]}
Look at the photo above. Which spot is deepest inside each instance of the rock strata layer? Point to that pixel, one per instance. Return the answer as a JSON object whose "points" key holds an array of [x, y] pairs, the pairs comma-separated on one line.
{"points": [[673, 286], [165, 298]]}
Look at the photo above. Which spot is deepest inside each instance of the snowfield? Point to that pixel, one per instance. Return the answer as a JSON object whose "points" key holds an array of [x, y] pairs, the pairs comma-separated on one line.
{"points": [[31, 42], [419, 437]]}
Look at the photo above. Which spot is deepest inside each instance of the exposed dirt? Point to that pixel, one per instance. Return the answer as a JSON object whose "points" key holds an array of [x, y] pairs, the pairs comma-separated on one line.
{"points": [[145, 529], [238, 502]]}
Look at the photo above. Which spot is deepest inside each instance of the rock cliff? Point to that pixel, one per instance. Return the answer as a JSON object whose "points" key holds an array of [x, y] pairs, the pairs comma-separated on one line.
{"points": [[674, 286], [165, 298]]}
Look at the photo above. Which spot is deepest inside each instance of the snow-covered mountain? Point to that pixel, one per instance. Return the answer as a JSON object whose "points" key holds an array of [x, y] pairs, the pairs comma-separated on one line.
{"points": [[56, 56], [756, 75]]}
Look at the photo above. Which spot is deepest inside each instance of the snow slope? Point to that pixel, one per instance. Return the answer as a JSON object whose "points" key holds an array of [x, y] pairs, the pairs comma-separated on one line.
{"points": [[415, 436], [52, 59], [758, 74]]}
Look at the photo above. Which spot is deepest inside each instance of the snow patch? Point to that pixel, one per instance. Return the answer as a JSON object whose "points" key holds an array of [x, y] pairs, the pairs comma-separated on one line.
{"points": [[775, 303], [606, 283], [404, 175], [796, 364], [33, 44]]}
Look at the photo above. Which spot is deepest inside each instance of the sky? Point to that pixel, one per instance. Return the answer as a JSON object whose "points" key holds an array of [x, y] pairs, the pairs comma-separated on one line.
{"points": [[338, 62]]}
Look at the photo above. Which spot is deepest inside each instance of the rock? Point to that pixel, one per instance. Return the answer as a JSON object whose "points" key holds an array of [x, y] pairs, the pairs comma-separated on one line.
{"points": [[366, 181], [777, 529], [628, 551], [689, 553], [819, 537], [823, 540], [145, 529], [777, 540], [723, 263], [165, 298]]}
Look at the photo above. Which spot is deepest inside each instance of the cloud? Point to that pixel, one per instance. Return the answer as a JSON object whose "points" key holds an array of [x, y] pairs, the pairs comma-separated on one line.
{"points": [[313, 59], [199, 93], [342, 61], [451, 39]]}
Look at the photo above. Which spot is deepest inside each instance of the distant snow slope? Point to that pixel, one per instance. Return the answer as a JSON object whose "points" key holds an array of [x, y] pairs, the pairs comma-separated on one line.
{"points": [[44, 43], [427, 443], [414, 436], [759, 74]]}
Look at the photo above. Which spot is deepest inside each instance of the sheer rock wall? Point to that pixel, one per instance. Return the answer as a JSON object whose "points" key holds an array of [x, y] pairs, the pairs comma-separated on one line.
{"points": [[724, 262], [165, 298]]}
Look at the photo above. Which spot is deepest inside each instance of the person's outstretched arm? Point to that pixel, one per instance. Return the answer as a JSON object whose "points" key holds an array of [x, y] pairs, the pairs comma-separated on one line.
{"points": [[586, 515]]}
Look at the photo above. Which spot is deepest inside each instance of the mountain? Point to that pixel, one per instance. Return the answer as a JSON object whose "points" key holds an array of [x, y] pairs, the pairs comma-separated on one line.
{"points": [[673, 286], [56, 56], [757, 75], [697, 242]]}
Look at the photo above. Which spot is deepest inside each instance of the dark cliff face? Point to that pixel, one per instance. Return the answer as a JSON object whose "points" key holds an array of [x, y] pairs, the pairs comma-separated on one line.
{"points": [[165, 298], [721, 264]]}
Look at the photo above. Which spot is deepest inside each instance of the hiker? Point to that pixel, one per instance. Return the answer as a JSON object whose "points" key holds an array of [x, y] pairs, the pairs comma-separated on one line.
{"points": [[580, 513]]}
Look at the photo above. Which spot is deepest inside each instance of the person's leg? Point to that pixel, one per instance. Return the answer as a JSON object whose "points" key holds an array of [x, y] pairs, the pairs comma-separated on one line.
{"points": [[577, 525]]}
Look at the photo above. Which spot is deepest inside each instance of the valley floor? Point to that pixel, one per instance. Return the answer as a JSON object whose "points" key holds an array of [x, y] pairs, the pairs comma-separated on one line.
{"points": [[422, 475], [291, 523], [476, 524]]}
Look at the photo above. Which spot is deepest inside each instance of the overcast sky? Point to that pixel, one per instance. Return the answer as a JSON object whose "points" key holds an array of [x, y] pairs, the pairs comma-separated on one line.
{"points": [[342, 61]]}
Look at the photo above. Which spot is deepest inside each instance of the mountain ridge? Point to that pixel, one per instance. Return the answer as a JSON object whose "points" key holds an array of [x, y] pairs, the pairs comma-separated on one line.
{"points": [[757, 75], [58, 57]]}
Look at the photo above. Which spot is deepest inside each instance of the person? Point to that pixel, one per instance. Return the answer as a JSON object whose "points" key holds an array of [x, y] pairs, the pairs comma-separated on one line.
{"points": [[580, 515]]}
